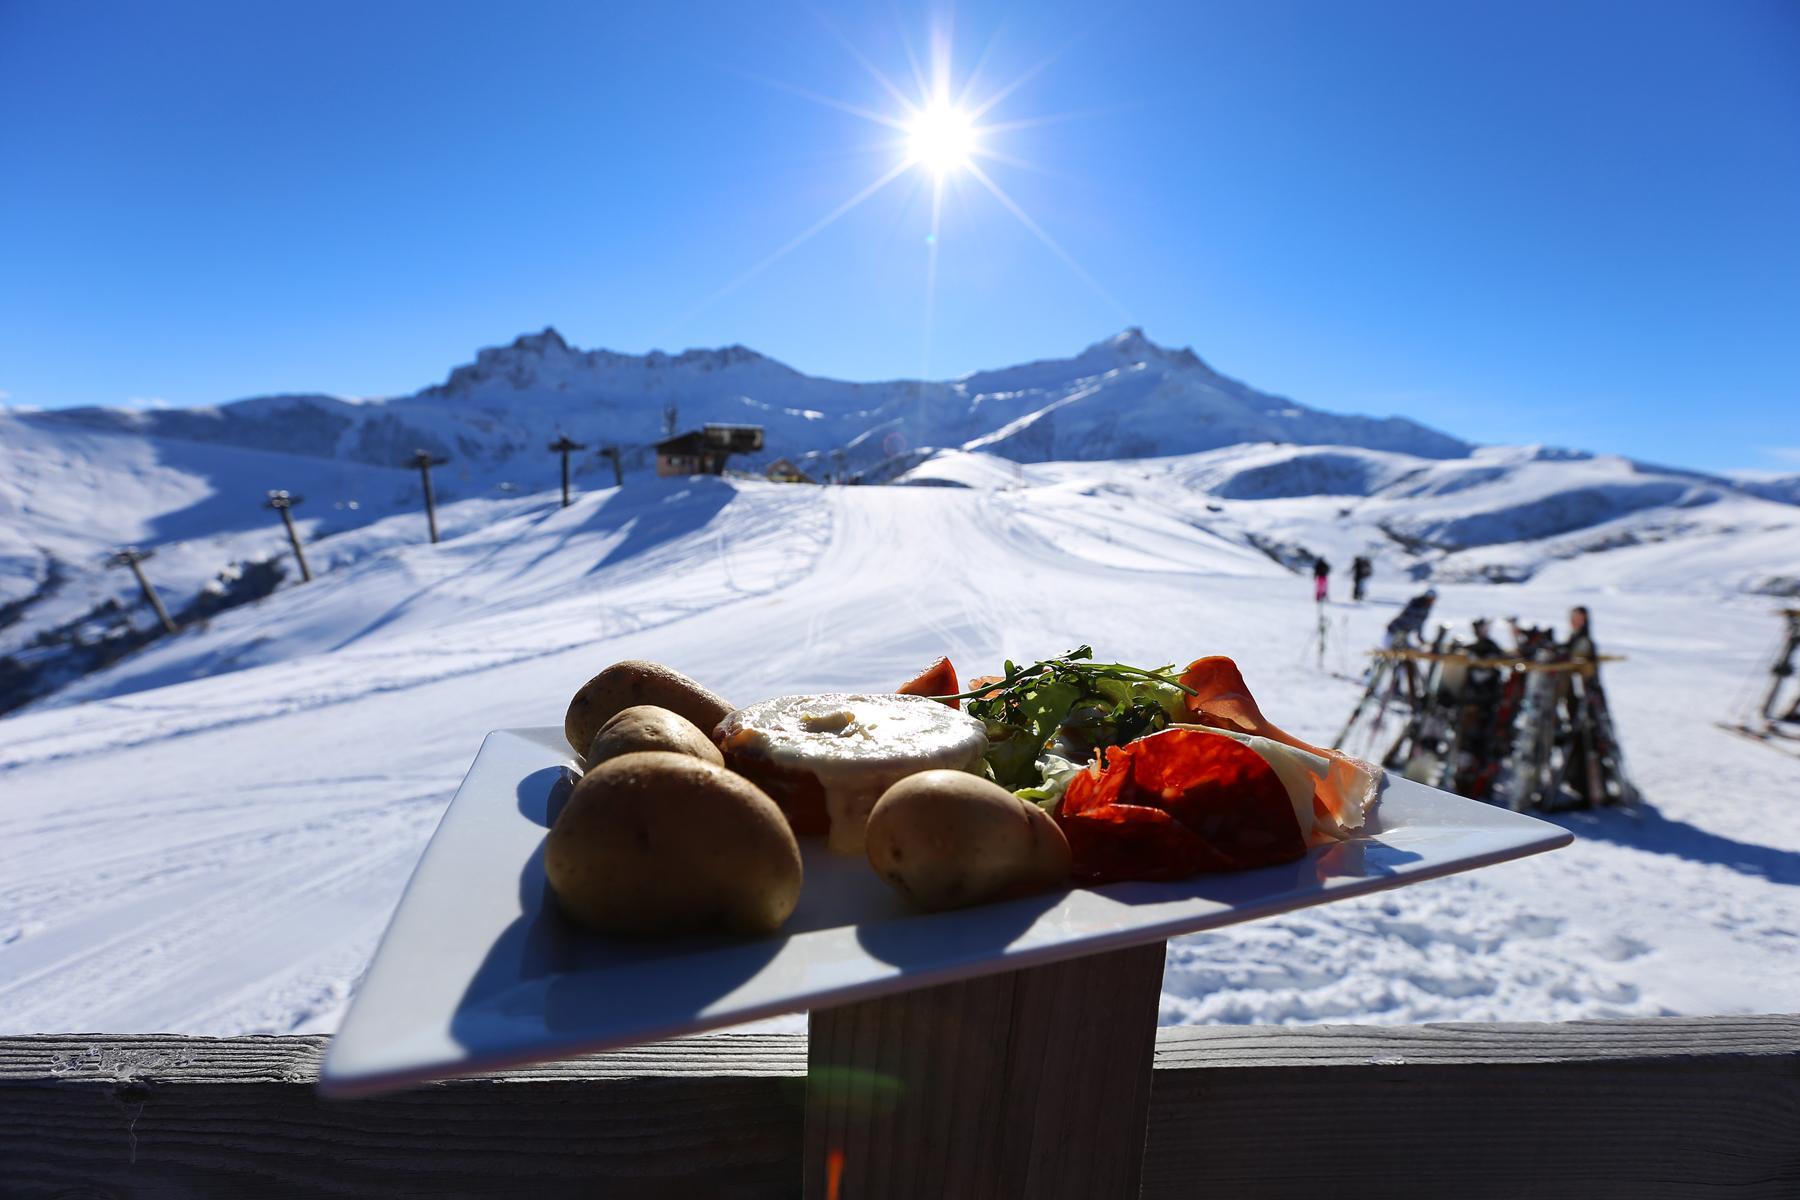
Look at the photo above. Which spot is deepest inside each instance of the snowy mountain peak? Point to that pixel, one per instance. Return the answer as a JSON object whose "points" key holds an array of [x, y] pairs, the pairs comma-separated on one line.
{"points": [[545, 342], [1131, 340], [546, 361], [711, 360], [1131, 345]]}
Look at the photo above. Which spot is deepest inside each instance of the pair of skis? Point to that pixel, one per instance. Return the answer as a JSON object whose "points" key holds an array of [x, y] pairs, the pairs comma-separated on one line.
{"points": [[1770, 735]]}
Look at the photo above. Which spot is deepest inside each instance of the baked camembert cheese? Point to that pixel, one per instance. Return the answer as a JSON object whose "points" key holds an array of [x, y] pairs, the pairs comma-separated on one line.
{"points": [[826, 759]]}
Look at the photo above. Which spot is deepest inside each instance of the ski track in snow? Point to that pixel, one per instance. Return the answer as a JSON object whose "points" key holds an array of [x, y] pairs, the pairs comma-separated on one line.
{"points": [[219, 855]]}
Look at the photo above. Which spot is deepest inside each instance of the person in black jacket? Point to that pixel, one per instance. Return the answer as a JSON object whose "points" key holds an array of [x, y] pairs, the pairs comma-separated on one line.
{"points": [[1580, 646], [1321, 571], [1583, 700], [1360, 570], [1411, 621]]}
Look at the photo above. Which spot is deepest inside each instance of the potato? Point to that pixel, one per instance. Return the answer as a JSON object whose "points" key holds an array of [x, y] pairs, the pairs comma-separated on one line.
{"points": [[945, 839], [647, 727], [658, 843], [633, 682]]}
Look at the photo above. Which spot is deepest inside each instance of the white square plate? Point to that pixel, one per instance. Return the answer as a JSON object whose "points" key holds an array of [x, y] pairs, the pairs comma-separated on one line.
{"points": [[478, 969]]}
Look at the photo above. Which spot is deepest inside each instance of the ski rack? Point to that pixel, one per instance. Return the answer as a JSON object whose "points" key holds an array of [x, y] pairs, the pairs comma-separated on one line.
{"points": [[1530, 736], [1585, 666]]}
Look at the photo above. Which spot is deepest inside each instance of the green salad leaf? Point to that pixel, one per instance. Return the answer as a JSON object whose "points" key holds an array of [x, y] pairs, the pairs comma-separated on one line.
{"points": [[1085, 705]]}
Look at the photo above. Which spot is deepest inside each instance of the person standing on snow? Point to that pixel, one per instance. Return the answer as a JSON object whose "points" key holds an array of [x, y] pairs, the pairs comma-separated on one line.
{"points": [[1360, 570], [1580, 646], [1581, 696], [1484, 680], [1400, 634], [1411, 621], [1321, 572]]}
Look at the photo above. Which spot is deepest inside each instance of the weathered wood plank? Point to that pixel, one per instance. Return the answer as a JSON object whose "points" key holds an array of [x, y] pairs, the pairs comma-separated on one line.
{"points": [[166, 1116], [1653, 1108], [1508, 1042], [1031, 1083], [172, 1058], [1671, 1107]]}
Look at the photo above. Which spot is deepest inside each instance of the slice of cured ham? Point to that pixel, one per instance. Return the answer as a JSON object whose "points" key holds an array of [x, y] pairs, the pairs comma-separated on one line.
{"points": [[1342, 792], [1175, 804]]}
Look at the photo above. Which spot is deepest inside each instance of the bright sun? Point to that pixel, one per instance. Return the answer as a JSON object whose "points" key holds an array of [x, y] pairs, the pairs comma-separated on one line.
{"points": [[940, 138]]}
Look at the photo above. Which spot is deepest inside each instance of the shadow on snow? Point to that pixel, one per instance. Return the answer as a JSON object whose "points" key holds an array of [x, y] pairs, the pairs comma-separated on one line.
{"points": [[1644, 828]]}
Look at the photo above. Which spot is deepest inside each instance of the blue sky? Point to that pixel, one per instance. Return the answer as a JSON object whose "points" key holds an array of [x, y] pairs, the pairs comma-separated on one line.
{"points": [[1573, 222]]}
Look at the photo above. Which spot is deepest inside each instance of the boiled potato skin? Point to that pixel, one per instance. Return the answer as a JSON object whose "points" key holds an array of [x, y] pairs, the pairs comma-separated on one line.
{"points": [[945, 839], [634, 682], [654, 843], [647, 727]]}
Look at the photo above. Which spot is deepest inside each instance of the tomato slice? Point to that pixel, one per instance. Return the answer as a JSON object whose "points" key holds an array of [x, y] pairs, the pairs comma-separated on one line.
{"points": [[1175, 804], [939, 679]]}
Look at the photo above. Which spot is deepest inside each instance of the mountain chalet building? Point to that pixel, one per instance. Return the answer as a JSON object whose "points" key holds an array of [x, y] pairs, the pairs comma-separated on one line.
{"points": [[703, 451]]}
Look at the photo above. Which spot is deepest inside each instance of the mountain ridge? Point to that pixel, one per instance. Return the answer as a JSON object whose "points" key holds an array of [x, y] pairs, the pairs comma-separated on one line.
{"points": [[1123, 396]]}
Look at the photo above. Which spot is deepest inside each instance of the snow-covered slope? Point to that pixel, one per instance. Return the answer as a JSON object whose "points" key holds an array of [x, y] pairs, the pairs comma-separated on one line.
{"points": [[1502, 514], [190, 849], [1262, 471], [189, 483]]}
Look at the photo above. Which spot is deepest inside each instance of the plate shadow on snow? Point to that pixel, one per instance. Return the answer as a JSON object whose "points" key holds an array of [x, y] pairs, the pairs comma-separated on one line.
{"points": [[1644, 828], [545, 974]]}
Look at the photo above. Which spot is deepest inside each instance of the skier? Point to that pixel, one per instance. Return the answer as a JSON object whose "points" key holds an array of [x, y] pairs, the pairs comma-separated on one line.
{"points": [[1400, 633], [1321, 571], [1411, 621], [1360, 570]]}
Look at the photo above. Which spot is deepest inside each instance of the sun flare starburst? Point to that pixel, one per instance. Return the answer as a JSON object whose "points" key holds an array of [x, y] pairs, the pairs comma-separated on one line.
{"points": [[940, 138]]}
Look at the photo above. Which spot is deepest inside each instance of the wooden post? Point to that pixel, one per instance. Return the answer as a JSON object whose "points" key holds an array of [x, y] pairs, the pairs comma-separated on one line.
{"points": [[612, 452], [1029, 1083], [423, 460], [283, 502], [562, 445], [131, 556]]}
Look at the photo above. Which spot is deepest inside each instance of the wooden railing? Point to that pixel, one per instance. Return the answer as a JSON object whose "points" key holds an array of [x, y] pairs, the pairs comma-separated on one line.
{"points": [[1670, 1107]]}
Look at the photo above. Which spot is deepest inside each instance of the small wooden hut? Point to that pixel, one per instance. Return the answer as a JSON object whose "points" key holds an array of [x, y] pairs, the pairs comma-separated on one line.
{"points": [[783, 470], [703, 451]]}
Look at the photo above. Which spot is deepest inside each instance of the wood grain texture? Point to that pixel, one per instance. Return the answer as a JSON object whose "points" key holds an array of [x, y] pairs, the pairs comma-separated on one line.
{"points": [[168, 1116], [1668, 1107], [1032, 1083]]}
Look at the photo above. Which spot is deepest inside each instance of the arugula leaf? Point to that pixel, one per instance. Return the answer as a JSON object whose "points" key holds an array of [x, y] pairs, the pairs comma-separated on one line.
{"points": [[1031, 704], [1029, 717]]}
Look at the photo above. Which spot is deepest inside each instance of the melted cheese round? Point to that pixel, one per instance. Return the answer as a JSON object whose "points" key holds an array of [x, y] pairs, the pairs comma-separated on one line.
{"points": [[844, 751]]}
